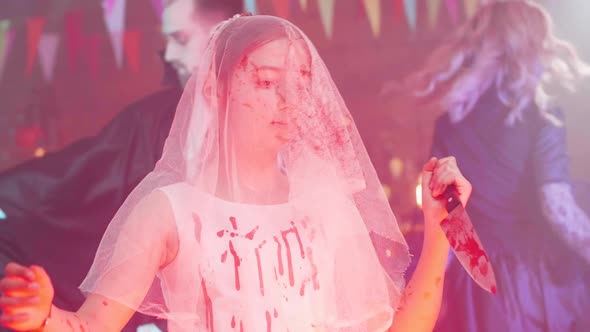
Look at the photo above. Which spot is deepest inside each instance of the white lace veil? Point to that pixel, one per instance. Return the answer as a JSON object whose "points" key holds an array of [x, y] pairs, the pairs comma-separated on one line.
{"points": [[236, 115]]}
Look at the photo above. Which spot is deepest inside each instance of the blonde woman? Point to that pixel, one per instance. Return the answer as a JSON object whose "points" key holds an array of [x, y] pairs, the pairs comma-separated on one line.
{"points": [[508, 136]]}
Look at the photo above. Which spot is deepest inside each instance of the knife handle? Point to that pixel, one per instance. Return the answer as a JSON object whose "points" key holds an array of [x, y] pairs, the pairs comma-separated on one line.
{"points": [[451, 198]]}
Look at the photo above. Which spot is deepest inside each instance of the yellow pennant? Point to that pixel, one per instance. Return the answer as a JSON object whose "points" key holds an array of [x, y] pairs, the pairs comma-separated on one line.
{"points": [[327, 16]]}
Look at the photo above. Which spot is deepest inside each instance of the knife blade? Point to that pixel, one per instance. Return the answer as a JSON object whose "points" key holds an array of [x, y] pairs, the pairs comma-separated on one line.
{"points": [[466, 245]]}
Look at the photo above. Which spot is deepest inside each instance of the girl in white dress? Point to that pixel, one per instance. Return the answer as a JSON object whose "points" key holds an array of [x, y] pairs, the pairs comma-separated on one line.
{"points": [[264, 213]]}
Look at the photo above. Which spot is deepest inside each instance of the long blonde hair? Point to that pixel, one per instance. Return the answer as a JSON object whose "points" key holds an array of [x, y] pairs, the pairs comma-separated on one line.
{"points": [[508, 45]]}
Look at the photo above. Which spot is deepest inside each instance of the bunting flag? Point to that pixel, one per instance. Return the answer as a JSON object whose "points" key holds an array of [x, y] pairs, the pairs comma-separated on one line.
{"points": [[114, 16], [92, 52], [326, 8], [73, 26], [373, 10], [158, 6], [360, 11], [6, 39], [250, 6], [132, 49], [281, 8], [108, 5], [47, 54], [303, 4], [35, 27], [453, 10], [399, 12], [433, 12], [410, 10], [470, 7]]}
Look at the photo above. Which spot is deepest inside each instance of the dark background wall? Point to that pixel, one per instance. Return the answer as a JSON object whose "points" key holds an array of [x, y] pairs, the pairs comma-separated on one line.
{"points": [[88, 88]]}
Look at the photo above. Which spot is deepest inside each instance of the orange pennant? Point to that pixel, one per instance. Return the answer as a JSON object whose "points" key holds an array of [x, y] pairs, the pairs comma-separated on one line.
{"points": [[433, 12], [470, 7], [303, 4], [373, 10]]}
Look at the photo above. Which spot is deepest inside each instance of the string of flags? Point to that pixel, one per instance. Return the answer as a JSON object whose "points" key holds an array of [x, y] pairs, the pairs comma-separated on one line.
{"points": [[83, 48], [403, 10]]}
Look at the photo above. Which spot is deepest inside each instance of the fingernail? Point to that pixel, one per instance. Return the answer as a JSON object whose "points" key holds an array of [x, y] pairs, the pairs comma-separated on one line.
{"points": [[35, 299], [33, 285], [30, 275]]}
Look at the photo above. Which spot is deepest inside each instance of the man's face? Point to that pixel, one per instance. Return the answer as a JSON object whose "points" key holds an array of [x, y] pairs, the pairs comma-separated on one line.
{"points": [[186, 37]]}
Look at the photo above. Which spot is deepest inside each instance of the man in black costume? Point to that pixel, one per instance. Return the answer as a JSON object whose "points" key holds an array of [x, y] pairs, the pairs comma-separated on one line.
{"points": [[58, 207]]}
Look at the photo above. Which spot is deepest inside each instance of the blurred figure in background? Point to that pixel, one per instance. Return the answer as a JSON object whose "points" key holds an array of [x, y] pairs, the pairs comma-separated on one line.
{"points": [[59, 206], [491, 78]]}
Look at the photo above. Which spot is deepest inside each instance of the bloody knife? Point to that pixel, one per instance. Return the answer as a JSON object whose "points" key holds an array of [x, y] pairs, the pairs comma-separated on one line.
{"points": [[463, 239]]}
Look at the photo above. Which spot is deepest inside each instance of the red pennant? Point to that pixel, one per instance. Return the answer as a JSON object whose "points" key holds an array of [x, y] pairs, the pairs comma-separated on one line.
{"points": [[73, 24], [281, 8], [360, 9], [399, 16], [132, 48], [35, 27]]}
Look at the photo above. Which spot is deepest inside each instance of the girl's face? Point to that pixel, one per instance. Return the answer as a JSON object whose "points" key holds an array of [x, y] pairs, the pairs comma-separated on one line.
{"points": [[261, 107]]}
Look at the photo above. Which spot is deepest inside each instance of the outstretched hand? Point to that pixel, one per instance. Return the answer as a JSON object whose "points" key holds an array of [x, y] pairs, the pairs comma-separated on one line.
{"points": [[27, 296]]}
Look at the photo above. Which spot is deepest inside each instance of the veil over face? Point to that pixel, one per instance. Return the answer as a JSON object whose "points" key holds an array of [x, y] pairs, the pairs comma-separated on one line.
{"points": [[262, 124]]}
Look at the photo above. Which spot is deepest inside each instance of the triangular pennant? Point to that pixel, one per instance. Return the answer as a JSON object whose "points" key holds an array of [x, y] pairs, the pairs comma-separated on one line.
{"points": [[373, 10], [433, 12], [73, 25], [360, 10], [35, 26], [115, 18], [250, 6], [470, 7], [399, 15], [117, 44], [326, 8], [4, 25], [453, 10], [132, 48], [107, 5], [92, 44], [6, 39], [410, 10], [158, 6], [47, 53], [303, 4], [281, 8]]}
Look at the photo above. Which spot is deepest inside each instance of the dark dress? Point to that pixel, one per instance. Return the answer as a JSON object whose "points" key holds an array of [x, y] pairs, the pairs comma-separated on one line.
{"points": [[59, 206], [543, 285]]}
